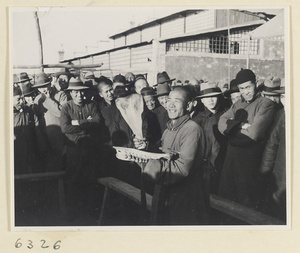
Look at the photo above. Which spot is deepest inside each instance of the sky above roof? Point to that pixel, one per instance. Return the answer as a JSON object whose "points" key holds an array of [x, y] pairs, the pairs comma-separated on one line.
{"points": [[77, 31]]}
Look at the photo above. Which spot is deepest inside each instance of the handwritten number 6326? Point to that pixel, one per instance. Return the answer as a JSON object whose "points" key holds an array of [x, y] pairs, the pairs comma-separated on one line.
{"points": [[44, 245]]}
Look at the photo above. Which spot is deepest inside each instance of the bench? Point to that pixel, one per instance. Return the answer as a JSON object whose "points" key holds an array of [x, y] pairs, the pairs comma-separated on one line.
{"points": [[233, 209], [124, 189], [241, 212], [59, 176]]}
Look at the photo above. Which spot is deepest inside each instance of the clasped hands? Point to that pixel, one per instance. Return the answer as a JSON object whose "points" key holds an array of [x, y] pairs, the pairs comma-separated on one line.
{"points": [[75, 122], [244, 126]]}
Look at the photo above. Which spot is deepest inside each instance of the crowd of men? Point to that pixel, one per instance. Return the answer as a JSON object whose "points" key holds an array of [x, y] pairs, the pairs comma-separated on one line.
{"points": [[226, 142]]}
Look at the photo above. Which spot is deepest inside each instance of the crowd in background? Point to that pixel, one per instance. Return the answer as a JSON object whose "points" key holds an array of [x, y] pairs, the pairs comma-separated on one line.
{"points": [[229, 141]]}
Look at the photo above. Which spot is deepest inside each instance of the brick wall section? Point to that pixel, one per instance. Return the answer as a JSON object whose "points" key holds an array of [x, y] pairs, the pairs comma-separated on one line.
{"points": [[272, 49], [270, 62], [216, 69]]}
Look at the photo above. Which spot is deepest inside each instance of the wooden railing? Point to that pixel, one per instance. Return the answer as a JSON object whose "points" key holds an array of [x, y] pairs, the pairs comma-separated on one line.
{"points": [[241, 212], [233, 209], [227, 207], [59, 176]]}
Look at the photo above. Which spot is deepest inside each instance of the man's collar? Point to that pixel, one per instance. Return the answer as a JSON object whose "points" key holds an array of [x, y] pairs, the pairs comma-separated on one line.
{"points": [[175, 124], [83, 103], [256, 95]]}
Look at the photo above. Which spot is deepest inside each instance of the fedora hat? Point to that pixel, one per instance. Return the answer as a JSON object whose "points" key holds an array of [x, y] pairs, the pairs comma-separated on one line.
{"points": [[76, 84], [282, 87], [209, 89], [270, 85], [23, 77], [41, 80], [232, 89], [147, 91], [163, 77], [89, 75], [27, 89], [63, 71], [162, 89]]}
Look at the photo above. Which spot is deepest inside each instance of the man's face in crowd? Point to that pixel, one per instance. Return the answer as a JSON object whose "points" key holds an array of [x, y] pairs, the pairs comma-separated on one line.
{"points": [[247, 90], [63, 81], [45, 90], [275, 99], [29, 100], [129, 77], [77, 96], [163, 101], [177, 104], [18, 102], [150, 102], [106, 91], [140, 84], [235, 96], [210, 102]]}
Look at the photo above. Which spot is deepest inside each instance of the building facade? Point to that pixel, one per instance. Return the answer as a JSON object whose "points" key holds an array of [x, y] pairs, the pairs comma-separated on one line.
{"points": [[207, 44]]}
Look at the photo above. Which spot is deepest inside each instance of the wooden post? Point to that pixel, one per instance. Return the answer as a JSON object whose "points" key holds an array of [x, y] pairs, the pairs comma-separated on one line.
{"points": [[59, 65], [40, 39], [229, 46], [248, 51]]}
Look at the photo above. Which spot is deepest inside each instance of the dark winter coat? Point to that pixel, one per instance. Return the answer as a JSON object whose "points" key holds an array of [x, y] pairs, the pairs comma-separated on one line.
{"points": [[183, 200], [240, 179]]}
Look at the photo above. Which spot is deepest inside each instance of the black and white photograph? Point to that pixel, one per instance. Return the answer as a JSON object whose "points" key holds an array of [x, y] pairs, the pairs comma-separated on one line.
{"points": [[149, 117]]}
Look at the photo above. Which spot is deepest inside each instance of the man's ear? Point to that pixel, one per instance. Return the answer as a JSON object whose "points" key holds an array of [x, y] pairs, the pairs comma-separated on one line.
{"points": [[189, 106]]}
